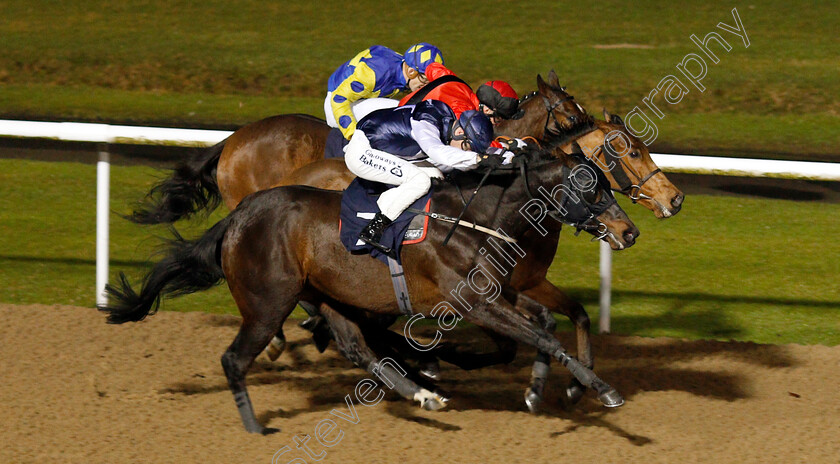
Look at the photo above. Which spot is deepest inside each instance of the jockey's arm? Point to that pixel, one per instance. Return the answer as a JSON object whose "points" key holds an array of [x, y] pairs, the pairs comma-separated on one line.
{"points": [[445, 157], [357, 86]]}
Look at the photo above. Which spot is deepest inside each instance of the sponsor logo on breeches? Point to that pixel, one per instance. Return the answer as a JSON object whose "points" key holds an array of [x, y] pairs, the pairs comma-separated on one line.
{"points": [[378, 162]]}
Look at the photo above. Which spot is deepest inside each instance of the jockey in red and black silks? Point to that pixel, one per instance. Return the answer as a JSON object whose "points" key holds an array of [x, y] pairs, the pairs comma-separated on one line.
{"points": [[496, 99]]}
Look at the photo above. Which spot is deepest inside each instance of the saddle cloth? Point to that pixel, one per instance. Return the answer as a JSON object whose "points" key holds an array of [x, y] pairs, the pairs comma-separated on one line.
{"points": [[358, 206]]}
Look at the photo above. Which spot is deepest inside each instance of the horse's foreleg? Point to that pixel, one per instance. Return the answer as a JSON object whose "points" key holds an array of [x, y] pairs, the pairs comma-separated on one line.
{"points": [[351, 343], [501, 317], [551, 297], [539, 372]]}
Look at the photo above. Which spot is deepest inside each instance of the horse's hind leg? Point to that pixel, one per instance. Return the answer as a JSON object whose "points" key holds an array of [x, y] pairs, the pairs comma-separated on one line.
{"points": [[260, 321], [351, 343], [315, 324]]}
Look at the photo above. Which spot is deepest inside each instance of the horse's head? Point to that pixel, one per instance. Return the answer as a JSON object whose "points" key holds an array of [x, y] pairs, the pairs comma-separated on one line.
{"points": [[578, 194], [562, 111], [547, 113], [626, 162]]}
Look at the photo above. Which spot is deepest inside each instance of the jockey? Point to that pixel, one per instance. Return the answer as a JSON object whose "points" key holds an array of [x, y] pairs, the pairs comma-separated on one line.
{"points": [[493, 97], [498, 100], [360, 85], [386, 141]]}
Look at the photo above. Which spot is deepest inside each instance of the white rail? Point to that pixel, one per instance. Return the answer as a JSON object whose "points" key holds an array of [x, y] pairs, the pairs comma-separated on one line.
{"points": [[106, 133]]}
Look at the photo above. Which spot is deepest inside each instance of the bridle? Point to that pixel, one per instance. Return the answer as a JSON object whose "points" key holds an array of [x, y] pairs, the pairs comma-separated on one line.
{"points": [[581, 215], [549, 108], [619, 172]]}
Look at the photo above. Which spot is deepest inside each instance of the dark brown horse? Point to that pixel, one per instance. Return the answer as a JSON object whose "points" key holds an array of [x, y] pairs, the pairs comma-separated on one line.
{"points": [[281, 246], [529, 278], [260, 155]]}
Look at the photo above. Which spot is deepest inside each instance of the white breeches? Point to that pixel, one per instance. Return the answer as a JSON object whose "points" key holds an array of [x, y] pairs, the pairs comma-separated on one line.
{"points": [[360, 108], [368, 163]]}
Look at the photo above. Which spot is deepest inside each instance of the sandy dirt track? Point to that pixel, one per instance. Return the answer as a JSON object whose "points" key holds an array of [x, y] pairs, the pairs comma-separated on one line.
{"points": [[78, 390]]}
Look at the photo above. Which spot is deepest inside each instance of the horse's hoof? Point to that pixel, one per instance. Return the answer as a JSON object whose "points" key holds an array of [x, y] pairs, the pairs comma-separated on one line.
{"points": [[431, 371], [611, 398], [430, 401], [275, 348], [532, 400], [311, 322], [259, 429], [574, 393]]}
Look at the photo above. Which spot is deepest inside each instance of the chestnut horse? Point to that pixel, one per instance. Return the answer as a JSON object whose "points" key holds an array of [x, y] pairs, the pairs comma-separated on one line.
{"points": [[260, 155], [280, 246]]}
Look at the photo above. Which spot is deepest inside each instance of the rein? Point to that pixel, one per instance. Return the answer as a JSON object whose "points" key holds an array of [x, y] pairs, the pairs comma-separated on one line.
{"points": [[466, 205]]}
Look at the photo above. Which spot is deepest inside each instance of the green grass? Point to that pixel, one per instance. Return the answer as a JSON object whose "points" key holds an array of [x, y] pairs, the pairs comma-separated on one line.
{"points": [[745, 269], [233, 62]]}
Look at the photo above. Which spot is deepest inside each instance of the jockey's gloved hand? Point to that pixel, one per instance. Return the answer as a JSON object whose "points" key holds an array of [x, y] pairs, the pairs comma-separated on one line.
{"points": [[517, 146], [490, 161], [506, 155]]}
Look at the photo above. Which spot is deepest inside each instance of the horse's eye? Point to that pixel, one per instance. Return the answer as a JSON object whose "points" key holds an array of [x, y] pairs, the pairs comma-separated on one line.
{"points": [[635, 154]]}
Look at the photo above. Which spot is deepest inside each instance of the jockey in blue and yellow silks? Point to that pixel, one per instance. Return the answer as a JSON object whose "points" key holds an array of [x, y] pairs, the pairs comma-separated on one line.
{"points": [[368, 81]]}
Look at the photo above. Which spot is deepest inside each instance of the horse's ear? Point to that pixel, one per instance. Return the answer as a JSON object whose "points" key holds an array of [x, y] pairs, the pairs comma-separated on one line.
{"points": [[612, 118], [541, 85], [553, 80]]}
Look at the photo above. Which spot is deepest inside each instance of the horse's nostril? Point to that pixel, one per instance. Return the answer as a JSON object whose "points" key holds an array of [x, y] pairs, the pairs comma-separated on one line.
{"points": [[676, 202], [630, 236]]}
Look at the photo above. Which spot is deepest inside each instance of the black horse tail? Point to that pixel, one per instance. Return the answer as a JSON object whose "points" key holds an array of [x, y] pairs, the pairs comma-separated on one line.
{"points": [[189, 267], [191, 187]]}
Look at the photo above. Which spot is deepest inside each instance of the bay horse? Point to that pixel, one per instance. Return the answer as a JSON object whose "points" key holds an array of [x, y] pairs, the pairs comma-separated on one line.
{"points": [[259, 155], [280, 246], [530, 278], [624, 159]]}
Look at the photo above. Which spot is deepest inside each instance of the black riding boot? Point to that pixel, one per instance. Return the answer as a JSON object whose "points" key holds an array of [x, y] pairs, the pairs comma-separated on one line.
{"points": [[372, 233]]}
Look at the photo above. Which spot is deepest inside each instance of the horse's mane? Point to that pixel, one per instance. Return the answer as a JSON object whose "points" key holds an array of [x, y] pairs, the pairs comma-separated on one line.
{"points": [[536, 158], [583, 126]]}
